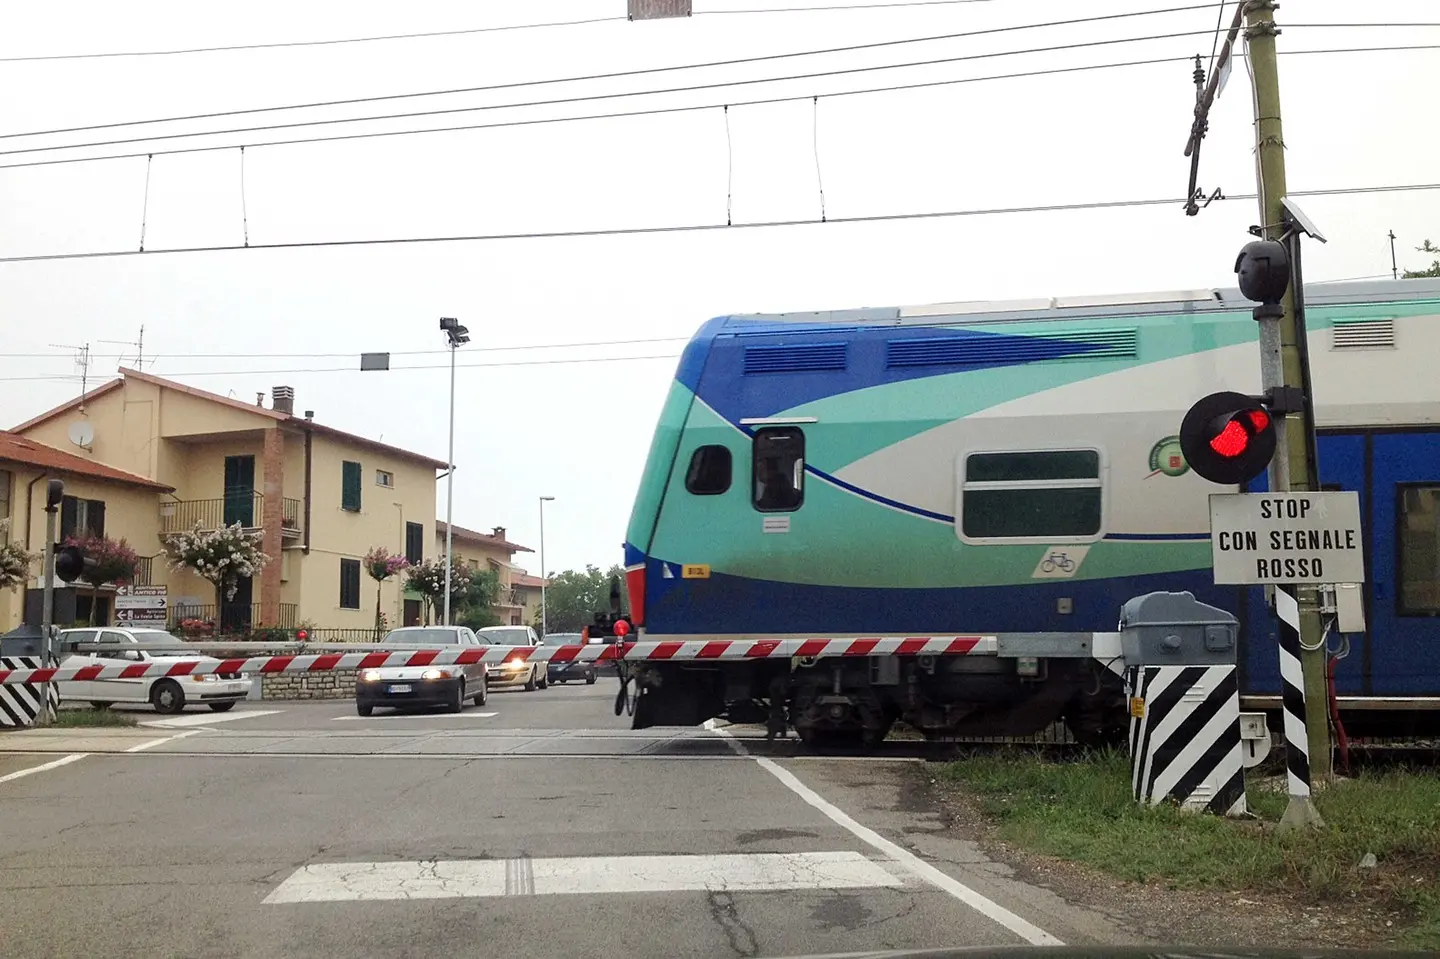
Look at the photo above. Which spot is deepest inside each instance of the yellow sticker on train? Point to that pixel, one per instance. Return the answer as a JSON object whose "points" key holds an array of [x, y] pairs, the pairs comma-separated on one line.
{"points": [[1137, 707], [695, 571]]}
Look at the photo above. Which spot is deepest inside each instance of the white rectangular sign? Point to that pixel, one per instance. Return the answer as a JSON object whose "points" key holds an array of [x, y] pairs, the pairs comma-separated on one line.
{"points": [[1277, 538]]}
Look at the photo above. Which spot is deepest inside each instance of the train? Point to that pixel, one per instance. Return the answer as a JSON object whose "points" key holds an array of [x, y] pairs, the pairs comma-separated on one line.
{"points": [[998, 467]]}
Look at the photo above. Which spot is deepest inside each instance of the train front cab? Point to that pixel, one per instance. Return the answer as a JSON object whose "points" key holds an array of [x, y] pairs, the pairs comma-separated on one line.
{"points": [[1389, 683]]}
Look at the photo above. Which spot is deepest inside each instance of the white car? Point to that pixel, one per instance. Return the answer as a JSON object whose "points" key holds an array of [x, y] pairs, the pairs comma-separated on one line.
{"points": [[515, 672], [166, 694]]}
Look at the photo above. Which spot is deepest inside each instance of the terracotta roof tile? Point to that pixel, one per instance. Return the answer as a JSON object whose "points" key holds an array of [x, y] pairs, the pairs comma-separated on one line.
{"points": [[21, 449]]}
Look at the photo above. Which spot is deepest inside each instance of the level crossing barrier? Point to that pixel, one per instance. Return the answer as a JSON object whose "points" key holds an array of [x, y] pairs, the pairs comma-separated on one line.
{"points": [[1188, 739]]}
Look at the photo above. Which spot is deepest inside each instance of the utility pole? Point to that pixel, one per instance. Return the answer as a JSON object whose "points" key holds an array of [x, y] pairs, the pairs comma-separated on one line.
{"points": [[457, 336], [1282, 366]]}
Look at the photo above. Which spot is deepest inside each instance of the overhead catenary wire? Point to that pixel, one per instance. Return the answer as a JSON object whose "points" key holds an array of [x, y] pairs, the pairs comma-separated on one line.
{"points": [[562, 101], [698, 227], [618, 74], [689, 108], [465, 31], [356, 369], [330, 356]]}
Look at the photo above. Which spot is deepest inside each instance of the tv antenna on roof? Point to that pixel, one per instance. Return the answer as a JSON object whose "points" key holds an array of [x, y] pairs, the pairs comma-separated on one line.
{"points": [[139, 345], [82, 365]]}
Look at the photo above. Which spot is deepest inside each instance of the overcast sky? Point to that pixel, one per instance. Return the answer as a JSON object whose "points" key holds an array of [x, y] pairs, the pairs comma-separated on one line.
{"points": [[242, 322]]}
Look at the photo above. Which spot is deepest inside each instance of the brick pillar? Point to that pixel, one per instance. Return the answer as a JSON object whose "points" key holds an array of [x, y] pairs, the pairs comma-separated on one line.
{"points": [[270, 521]]}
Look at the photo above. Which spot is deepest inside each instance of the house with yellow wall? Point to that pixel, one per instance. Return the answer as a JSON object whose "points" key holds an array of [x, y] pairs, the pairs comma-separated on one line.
{"points": [[319, 496], [98, 499], [488, 551]]}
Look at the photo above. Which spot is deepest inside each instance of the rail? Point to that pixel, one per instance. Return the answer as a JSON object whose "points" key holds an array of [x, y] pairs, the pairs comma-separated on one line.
{"points": [[247, 509]]}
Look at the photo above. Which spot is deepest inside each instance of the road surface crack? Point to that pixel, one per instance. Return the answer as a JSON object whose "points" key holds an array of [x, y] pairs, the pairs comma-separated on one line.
{"points": [[727, 916]]}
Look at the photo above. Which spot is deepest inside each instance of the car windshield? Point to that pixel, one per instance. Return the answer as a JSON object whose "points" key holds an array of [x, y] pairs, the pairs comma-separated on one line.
{"points": [[514, 636], [439, 636], [561, 639], [158, 637]]}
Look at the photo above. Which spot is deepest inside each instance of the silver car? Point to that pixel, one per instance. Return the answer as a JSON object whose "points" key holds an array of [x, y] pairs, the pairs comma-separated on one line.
{"points": [[410, 686]]}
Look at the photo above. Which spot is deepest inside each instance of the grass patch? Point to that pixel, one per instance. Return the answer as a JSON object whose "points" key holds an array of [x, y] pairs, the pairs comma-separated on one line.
{"points": [[91, 717], [1082, 811]]}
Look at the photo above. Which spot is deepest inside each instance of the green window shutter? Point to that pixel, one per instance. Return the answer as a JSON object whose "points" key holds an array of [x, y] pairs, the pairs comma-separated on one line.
{"points": [[349, 584], [350, 486]]}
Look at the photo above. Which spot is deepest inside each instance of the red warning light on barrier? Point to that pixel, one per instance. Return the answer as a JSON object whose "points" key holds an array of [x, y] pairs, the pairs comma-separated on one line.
{"points": [[622, 628], [301, 635], [1228, 438]]}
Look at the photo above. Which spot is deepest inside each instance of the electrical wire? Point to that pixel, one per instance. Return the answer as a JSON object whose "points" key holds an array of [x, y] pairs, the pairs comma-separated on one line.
{"points": [[700, 227], [658, 111], [331, 356], [460, 32], [652, 111], [356, 369], [307, 43], [604, 96], [644, 71]]}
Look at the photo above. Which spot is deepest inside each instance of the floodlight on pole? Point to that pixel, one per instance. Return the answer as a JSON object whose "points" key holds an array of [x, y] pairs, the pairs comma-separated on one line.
{"points": [[457, 336]]}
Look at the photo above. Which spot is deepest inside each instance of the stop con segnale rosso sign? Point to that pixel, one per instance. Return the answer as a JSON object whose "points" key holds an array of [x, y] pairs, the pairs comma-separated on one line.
{"points": [[1277, 538]]}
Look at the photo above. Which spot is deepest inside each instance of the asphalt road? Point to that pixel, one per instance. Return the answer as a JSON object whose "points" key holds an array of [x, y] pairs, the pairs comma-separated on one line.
{"points": [[537, 826]]}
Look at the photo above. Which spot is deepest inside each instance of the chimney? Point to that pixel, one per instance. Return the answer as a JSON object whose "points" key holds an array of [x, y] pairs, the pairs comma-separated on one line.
{"points": [[282, 400], [499, 532], [260, 400]]}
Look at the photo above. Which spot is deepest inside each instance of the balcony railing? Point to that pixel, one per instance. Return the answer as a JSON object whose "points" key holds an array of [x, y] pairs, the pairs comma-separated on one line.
{"points": [[144, 570], [247, 509], [230, 617]]}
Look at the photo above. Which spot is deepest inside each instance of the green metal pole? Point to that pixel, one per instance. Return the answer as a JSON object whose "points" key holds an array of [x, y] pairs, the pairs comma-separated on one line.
{"points": [[1291, 469]]}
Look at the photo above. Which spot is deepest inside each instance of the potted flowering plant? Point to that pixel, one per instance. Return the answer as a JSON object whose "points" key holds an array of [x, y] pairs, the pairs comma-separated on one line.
{"points": [[381, 564]]}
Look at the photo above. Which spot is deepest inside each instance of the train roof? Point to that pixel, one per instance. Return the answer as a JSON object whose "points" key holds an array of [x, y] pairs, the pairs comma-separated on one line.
{"points": [[1082, 307]]}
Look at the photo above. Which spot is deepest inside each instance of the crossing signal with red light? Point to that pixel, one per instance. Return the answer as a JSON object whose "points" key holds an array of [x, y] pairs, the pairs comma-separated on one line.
{"points": [[70, 563], [1228, 438]]}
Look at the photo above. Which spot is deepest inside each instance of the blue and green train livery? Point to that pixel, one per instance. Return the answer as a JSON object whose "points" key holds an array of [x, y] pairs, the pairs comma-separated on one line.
{"points": [[1002, 467]]}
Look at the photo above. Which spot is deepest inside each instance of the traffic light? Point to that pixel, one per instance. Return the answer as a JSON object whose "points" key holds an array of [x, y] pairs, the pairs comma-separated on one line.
{"points": [[70, 562], [1228, 438]]}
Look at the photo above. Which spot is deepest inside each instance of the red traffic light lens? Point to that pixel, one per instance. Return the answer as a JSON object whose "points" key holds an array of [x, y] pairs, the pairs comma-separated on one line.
{"points": [[1259, 419], [1232, 441], [622, 628]]}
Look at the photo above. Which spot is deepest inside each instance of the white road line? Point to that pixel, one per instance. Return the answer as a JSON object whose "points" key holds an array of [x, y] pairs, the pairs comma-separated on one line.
{"points": [[941, 880], [141, 747], [588, 875], [180, 722], [53, 764], [386, 719]]}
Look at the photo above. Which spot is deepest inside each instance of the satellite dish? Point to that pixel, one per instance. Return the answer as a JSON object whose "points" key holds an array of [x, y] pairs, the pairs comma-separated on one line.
{"points": [[82, 434]]}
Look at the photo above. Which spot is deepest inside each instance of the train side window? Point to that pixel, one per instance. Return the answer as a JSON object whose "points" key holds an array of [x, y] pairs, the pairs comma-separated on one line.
{"points": [[778, 475], [709, 472], [1048, 494], [1419, 536]]}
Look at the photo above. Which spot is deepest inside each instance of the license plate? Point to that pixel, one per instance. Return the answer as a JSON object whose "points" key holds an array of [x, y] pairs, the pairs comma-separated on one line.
{"points": [[402, 688]]}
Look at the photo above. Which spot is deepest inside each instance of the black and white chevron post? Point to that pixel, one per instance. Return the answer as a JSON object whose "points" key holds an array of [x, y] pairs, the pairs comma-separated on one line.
{"points": [[1185, 738], [1292, 680], [19, 705]]}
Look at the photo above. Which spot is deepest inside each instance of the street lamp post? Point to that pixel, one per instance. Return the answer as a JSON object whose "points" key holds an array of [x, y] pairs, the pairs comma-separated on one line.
{"points": [[457, 335], [544, 610]]}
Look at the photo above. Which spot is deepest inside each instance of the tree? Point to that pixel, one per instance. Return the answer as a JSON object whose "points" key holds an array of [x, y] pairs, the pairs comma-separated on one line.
{"points": [[114, 562], [477, 605], [381, 564], [223, 557], [1433, 269], [572, 598], [15, 562], [428, 579]]}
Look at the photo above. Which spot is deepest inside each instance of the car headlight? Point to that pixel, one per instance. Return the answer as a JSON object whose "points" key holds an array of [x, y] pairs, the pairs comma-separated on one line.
{"points": [[370, 676], [205, 678], [432, 674]]}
